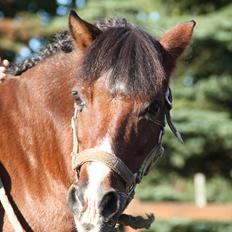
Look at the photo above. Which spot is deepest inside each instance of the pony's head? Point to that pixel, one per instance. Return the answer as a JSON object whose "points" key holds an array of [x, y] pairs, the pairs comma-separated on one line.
{"points": [[121, 98]]}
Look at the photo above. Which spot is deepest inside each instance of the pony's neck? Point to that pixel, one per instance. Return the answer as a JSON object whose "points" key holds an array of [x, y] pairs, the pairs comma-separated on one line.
{"points": [[50, 82], [49, 86]]}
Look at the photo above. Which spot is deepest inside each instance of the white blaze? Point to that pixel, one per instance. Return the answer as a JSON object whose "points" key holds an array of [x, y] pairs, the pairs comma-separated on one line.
{"points": [[97, 172], [105, 145]]}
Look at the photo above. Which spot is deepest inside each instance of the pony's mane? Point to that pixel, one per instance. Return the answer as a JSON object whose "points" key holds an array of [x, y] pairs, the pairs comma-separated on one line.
{"points": [[61, 42], [131, 59]]}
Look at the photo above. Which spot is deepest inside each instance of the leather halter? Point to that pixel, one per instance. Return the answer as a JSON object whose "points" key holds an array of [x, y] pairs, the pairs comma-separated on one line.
{"points": [[115, 163]]}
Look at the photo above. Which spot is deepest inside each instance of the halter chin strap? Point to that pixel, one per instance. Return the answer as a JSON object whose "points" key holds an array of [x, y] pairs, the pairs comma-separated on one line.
{"points": [[115, 163]]}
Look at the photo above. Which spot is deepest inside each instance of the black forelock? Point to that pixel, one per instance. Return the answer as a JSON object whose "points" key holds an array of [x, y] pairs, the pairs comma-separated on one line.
{"points": [[126, 53], [129, 57]]}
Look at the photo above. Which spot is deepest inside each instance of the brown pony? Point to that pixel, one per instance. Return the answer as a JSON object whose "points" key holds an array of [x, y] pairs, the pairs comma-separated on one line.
{"points": [[119, 76]]}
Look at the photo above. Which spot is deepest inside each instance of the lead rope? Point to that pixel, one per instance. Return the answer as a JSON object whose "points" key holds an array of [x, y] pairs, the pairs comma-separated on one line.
{"points": [[9, 210]]}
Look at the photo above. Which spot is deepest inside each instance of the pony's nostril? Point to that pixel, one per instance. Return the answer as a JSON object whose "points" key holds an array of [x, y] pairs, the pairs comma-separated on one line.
{"points": [[109, 204], [75, 202]]}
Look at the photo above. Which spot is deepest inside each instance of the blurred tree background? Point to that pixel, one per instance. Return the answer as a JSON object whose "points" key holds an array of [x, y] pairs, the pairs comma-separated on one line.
{"points": [[202, 83]]}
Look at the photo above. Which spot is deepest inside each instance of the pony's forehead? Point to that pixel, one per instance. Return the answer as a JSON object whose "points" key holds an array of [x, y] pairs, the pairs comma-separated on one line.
{"points": [[118, 91], [130, 60]]}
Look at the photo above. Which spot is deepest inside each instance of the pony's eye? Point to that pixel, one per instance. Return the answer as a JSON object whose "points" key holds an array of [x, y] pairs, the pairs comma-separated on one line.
{"points": [[79, 101], [153, 108]]}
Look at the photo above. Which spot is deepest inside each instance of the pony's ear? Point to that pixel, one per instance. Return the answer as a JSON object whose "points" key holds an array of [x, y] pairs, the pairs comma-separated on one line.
{"points": [[177, 39], [83, 33]]}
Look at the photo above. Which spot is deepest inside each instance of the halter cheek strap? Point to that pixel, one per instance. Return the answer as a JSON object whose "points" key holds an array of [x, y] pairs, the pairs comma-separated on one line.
{"points": [[149, 161]]}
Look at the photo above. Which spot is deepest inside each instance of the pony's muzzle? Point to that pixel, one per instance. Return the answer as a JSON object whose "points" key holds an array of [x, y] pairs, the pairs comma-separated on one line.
{"points": [[107, 203]]}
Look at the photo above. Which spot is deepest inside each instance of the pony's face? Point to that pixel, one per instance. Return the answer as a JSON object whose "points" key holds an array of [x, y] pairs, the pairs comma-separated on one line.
{"points": [[120, 115], [126, 127]]}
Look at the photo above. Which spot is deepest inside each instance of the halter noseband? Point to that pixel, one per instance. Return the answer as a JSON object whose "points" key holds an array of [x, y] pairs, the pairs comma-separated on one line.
{"points": [[115, 163]]}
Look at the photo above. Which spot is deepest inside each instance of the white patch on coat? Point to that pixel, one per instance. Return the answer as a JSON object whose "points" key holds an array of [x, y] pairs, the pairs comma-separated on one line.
{"points": [[120, 87], [97, 172]]}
